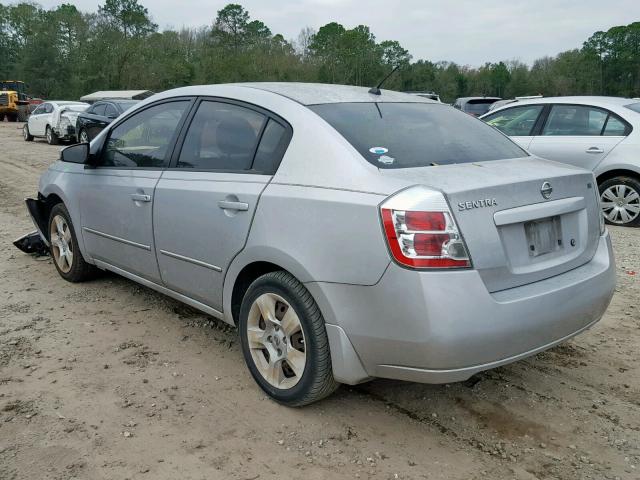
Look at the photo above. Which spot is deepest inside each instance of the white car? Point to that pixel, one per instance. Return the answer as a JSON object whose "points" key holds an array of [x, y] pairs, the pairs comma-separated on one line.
{"points": [[601, 134], [54, 120]]}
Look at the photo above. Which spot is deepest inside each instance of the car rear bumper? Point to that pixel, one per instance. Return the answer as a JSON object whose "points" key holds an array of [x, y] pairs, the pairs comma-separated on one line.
{"points": [[439, 327]]}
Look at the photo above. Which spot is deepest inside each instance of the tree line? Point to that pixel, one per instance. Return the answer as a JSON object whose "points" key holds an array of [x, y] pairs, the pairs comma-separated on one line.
{"points": [[65, 53]]}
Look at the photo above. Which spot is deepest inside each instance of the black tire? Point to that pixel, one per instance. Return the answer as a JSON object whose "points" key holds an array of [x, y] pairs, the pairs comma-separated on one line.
{"points": [[23, 114], [13, 117], [631, 184], [316, 381], [52, 138], [2, 118], [80, 270], [26, 134]]}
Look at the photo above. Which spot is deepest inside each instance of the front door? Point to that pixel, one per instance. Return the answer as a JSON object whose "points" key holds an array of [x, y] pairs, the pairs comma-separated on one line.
{"points": [[517, 122], [117, 197], [204, 204], [580, 135]]}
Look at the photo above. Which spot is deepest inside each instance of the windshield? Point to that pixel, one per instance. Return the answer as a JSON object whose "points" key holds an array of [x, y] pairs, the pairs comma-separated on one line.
{"points": [[406, 135], [634, 106]]}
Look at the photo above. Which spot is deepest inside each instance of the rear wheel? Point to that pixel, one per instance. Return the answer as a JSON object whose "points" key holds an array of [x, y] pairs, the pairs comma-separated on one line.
{"points": [[2, 118], [620, 199], [64, 247], [13, 117], [25, 133], [284, 340], [23, 114], [52, 138]]}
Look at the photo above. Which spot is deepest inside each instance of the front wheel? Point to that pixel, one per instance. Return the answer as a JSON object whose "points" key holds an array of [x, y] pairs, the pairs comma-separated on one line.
{"points": [[52, 138], [64, 247], [620, 200], [284, 340]]}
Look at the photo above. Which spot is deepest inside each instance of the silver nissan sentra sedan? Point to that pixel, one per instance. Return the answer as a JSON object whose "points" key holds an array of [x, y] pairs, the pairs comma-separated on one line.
{"points": [[348, 234]]}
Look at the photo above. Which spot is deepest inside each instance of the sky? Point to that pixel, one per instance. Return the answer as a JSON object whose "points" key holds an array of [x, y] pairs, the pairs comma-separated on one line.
{"points": [[468, 32]]}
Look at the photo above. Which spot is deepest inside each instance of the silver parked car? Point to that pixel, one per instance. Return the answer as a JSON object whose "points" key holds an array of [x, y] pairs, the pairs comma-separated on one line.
{"points": [[601, 134], [348, 235]]}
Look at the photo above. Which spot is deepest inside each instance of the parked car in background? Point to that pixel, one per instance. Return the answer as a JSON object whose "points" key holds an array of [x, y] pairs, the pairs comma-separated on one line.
{"points": [[430, 95], [93, 120], [601, 134], [502, 103], [342, 269], [475, 106], [53, 120]]}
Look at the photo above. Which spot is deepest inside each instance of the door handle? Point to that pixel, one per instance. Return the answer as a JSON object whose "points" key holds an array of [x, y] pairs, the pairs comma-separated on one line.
{"points": [[595, 150], [140, 197], [228, 205]]}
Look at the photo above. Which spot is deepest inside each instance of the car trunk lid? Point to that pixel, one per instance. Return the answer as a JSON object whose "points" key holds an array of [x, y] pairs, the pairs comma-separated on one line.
{"points": [[523, 220]]}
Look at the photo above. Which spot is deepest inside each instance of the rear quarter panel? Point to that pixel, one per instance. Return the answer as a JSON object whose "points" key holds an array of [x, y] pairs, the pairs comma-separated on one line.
{"points": [[317, 234]]}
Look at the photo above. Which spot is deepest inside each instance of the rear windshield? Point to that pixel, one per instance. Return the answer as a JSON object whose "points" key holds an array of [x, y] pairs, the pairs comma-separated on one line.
{"points": [[634, 106], [478, 107], [406, 135]]}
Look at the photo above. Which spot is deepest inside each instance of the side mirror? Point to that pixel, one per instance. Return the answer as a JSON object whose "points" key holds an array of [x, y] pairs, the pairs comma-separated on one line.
{"points": [[78, 153]]}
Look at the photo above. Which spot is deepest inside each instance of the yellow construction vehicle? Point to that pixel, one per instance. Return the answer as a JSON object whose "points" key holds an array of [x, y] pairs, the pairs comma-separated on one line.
{"points": [[14, 102]]}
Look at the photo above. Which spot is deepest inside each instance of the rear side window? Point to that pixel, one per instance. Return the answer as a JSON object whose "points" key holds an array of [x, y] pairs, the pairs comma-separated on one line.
{"points": [[405, 135], [222, 136], [516, 121], [272, 146], [615, 127], [144, 139]]}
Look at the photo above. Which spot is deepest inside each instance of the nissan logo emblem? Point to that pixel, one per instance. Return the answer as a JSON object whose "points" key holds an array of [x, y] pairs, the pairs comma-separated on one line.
{"points": [[546, 190]]}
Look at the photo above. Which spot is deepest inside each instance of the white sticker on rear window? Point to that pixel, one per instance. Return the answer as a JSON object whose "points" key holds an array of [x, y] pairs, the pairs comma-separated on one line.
{"points": [[378, 150], [386, 160]]}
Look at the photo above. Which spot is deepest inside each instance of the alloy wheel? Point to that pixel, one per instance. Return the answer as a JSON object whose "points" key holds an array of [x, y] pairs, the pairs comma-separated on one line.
{"points": [[276, 341], [48, 135], [620, 204], [25, 132], [61, 243]]}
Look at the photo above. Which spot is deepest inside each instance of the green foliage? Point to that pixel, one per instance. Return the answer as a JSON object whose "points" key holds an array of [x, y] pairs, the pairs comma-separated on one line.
{"points": [[65, 53]]}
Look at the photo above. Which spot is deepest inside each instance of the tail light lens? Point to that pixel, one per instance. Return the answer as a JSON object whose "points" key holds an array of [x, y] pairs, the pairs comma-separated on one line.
{"points": [[421, 231]]}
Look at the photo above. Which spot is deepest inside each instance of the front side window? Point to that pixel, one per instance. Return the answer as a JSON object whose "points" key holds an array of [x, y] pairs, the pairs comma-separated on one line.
{"points": [[98, 109], [110, 111], [515, 121], [39, 110], [222, 136], [143, 140], [406, 135], [575, 120]]}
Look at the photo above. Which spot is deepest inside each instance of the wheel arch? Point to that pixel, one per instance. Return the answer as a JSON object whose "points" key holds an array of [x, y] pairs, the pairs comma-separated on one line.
{"points": [[617, 172]]}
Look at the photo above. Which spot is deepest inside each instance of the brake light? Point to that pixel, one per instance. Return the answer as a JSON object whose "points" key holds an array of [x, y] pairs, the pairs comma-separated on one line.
{"points": [[421, 231]]}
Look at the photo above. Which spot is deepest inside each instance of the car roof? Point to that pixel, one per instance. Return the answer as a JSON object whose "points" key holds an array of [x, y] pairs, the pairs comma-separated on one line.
{"points": [[584, 99], [319, 93], [466, 99]]}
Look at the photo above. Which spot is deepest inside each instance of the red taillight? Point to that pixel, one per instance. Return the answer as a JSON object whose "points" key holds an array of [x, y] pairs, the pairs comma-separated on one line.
{"points": [[423, 239], [423, 221]]}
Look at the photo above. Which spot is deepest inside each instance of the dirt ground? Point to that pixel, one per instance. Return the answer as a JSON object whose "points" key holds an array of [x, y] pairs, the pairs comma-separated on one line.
{"points": [[110, 380]]}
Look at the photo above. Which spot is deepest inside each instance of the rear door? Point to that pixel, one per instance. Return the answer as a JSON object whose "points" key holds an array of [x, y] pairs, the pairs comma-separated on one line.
{"points": [[116, 199], [580, 135], [517, 122], [204, 203]]}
